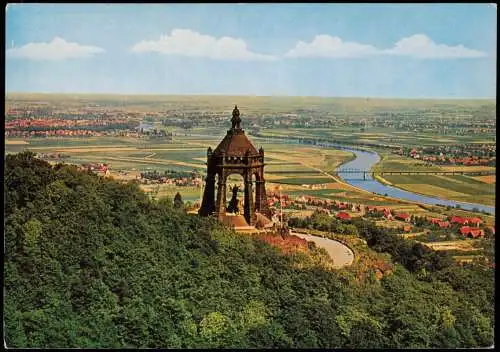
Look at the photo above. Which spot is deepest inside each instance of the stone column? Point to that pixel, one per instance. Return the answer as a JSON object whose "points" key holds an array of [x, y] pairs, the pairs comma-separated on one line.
{"points": [[249, 203], [220, 205], [258, 195], [264, 208], [208, 203]]}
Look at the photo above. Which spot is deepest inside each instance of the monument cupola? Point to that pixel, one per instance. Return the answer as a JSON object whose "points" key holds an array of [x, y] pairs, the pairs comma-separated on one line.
{"points": [[235, 154]]}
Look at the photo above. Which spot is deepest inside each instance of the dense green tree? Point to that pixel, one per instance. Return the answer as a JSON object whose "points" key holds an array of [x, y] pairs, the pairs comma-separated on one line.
{"points": [[178, 202], [90, 262]]}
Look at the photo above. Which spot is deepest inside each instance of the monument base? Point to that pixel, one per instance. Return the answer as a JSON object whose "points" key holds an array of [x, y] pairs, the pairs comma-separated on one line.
{"points": [[237, 222]]}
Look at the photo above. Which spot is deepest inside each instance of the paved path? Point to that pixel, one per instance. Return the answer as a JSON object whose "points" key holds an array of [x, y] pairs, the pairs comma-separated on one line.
{"points": [[339, 252]]}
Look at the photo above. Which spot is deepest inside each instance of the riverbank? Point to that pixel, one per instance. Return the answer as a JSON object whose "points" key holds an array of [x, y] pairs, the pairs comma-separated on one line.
{"points": [[459, 188], [367, 160]]}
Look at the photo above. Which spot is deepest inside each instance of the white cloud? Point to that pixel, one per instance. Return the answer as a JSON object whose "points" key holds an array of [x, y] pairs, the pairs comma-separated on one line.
{"points": [[418, 46], [421, 46], [57, 49], [189, 43], [324, 45]]}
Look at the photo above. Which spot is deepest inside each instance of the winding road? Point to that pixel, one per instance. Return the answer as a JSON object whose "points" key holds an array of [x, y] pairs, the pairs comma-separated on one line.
{"points": [[339, 252]]}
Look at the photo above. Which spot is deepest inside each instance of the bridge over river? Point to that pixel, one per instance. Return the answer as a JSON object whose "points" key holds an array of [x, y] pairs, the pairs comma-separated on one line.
{"points": [[364, 173]]}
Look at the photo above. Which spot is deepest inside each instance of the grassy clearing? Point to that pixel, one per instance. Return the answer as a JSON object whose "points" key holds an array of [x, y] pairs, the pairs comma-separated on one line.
{"points": [[181, 155], [449, 184], [296, 173], [304, 180], [391, 162], [340, 195], [90, 141], [467, 179], [134, 155], [187, 193], [453, 183], [16, 142], [288, 168], [15, 148], [491, 179], [276, 162], [468, 168], [317, 192], [461, 188]]}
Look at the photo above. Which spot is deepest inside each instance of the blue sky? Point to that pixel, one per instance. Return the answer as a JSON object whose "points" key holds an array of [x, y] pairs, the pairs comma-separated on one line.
{"points": [[380, 50]]}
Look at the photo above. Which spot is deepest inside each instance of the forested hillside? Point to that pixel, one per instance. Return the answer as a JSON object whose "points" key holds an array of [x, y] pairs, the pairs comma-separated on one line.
{"points": [[90, 262]]}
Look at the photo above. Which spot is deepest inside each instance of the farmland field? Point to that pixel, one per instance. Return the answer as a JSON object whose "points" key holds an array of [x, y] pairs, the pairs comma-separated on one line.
{"points": [[288, 166], [461, 188], [391, 162], [346, 120], [304, 180], [284, 165], [491, 179], [380, 136]]}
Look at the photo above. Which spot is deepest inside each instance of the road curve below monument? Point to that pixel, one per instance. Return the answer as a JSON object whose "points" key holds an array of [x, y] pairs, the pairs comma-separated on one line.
{"points": [[339, 252]]}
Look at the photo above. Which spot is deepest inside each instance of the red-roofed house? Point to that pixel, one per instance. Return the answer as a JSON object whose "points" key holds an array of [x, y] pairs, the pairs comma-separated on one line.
{"points": [[471, 232], [407, 228], [434, 220], [388, 215], [475, 221], [343, 216], [403, 216], [464, 230], [444, 224], [459, 220], [475, 233]]}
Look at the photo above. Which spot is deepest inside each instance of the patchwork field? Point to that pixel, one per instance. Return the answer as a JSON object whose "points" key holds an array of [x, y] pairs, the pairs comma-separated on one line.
{"points": [[290, 166], [16, 142], [189, 194], [304, 180], [284, 164], [391, 162], [467, 168], [378, 135], [461, 188], [486, 179]]}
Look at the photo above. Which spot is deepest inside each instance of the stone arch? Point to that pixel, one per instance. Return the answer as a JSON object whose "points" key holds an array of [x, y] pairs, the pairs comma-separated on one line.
{"points": [[235, 179]]}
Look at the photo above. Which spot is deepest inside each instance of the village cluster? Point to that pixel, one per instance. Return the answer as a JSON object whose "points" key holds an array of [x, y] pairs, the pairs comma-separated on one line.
{"points": [[466, 122], [477, 155], [26, 128], [170, 177], [466, 227]]}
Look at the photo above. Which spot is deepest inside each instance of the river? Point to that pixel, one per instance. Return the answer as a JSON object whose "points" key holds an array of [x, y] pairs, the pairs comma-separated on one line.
{"points": [[364, 161]]}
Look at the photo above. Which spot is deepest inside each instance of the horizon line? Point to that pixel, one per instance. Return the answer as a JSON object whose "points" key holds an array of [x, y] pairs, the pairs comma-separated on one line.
{"points": [[254, 95]]}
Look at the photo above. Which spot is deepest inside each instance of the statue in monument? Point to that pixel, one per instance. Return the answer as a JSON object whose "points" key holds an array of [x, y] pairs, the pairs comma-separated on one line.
{"points": [[233, 203]]}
